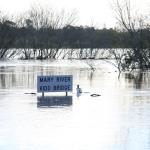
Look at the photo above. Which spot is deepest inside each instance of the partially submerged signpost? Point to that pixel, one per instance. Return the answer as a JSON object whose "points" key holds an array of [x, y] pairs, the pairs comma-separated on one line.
{"points": [[54, 83]]}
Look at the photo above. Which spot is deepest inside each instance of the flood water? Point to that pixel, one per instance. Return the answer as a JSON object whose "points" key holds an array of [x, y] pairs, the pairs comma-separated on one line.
{"points": [[119, 119]]}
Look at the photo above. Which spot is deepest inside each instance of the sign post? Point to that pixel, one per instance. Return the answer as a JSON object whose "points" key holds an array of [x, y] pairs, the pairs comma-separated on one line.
{"points": [[54, 83]]}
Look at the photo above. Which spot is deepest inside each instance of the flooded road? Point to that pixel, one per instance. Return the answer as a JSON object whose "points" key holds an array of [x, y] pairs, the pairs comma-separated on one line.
{"points": [[119, 119]]}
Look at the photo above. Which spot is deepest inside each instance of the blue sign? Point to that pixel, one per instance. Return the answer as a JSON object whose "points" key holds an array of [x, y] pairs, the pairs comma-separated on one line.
{"points": [[58, 83]]}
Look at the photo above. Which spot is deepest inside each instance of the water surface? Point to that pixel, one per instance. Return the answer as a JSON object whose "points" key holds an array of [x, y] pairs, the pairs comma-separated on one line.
{"points": [[119, 119]]}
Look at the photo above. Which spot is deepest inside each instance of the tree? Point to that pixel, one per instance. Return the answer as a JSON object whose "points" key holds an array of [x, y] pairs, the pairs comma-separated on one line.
{"points": [[136, 28], [48, 25], [7, 36]]}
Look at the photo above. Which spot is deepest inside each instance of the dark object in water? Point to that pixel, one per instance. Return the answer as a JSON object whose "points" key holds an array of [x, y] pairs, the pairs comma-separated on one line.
{"points": [[79, 90], [30, 93], [95, 95]]}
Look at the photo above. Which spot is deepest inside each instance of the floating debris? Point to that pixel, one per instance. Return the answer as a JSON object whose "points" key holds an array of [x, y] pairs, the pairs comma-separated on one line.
{"points": [[95, 95], [30, 93]]}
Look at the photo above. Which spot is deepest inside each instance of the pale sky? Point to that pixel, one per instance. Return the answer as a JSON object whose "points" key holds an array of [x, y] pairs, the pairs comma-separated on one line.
{"points": [[90, 12]]}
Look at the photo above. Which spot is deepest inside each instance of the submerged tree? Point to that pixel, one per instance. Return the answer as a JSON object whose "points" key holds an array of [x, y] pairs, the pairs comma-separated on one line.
{"points": [[138, 56]]}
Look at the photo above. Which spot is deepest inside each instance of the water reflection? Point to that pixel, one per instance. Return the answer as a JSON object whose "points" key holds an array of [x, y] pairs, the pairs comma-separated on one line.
{"points": [[139, 79], [24, 76], [118, 120], [54, 101], [11, 77]]}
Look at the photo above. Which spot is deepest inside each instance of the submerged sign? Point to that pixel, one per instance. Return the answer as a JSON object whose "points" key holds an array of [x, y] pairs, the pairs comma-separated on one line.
{"points": [[59, 83]]}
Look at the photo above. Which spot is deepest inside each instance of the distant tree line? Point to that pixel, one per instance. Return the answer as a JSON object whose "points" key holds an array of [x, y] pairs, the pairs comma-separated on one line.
{"points": [[41, 33], [43, 38], [46, 34]]}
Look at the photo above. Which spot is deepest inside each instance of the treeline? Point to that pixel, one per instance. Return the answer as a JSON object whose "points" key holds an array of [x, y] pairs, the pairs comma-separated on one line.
{"points": [[67, 37], [12, 36], [41, 33], [29, 37], [46, 34], [48, 40]]}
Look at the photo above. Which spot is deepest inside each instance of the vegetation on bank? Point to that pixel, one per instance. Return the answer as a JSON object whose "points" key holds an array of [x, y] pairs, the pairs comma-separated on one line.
{"points": [[43, 34], [48, 39]]}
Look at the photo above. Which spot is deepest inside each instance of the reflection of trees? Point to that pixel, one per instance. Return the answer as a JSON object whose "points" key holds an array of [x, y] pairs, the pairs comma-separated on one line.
{"points": [[90, 77], [7, 78], [2, 78], [139, 79], [12, 78], [23, 76]]}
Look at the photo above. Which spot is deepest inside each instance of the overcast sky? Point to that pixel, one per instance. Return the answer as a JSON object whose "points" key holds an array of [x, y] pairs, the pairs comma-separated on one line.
{"points": [[96, 12]]}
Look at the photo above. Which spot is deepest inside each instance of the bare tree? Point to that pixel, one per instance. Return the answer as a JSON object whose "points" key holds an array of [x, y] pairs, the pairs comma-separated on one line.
{"points": [[136, 27], [48, 23], [47, 17]]}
